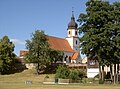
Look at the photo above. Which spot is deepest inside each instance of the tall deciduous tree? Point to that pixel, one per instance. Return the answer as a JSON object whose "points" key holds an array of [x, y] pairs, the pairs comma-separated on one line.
{"points": [[38, 50], [7, 57], [101, 29]]}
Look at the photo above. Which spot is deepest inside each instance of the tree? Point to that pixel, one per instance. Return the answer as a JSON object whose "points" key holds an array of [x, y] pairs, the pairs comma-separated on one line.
{"points": [[62, 72], [101, 29], [56, 55], [55, 58], [38, 50], [7, 57], [116, 38], [76, 74]]}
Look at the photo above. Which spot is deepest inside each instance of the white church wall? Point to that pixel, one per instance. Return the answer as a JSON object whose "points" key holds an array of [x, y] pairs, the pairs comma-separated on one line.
{"points": [[69, 33], [70, 40], [76, 45], [69, 55], [78, 42], [73, 61], [72, 33]]}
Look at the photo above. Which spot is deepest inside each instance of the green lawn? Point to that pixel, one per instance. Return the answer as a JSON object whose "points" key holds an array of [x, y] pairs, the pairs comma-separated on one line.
{"points": [[17, 81]]}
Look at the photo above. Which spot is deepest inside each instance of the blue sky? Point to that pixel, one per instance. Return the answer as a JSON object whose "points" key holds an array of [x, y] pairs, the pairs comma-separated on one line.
{"points": [[19, 18]]}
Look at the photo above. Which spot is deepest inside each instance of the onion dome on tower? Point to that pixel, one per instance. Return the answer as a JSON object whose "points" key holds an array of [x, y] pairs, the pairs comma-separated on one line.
{"points": [[72, 24]]}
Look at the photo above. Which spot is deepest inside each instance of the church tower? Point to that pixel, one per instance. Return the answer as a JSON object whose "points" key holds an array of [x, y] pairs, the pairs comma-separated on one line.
{"points": [[72, 36]]}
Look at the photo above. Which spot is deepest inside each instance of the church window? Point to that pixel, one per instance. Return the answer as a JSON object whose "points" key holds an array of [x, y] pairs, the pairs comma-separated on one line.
{"points": [[66, 58], [76, 42], [69, 59], [75, 32], [69, 32]]}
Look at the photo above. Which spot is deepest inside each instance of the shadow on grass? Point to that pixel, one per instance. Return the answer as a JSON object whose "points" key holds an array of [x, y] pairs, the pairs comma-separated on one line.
{"points": [[17, 68]]}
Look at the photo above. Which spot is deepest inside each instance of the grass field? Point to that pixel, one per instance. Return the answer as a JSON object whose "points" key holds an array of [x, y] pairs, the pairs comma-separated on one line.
{"points": [[17, 81]]}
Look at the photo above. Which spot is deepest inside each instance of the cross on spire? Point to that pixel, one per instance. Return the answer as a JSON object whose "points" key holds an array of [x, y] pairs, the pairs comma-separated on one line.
{"points": [[72, 11]]}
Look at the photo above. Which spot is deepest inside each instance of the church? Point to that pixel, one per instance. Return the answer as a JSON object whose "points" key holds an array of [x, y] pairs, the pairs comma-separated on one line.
{"points": [[70, 45]]}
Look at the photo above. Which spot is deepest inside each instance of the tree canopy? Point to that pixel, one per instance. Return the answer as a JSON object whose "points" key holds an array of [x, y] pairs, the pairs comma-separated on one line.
{"points": [[101, 28], [56, 55], [7, 57], [38, 50]]}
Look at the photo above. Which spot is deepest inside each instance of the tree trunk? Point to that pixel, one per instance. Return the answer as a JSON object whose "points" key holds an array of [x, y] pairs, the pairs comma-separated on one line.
{"points": [[102, 73], [114, 73], [38, 68], [117, 73], [111, 72]]}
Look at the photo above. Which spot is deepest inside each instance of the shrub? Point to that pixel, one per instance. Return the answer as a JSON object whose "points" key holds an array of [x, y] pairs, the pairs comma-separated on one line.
{"points": [[62, 72], [65, 73], [74, 75], [81, 74]]}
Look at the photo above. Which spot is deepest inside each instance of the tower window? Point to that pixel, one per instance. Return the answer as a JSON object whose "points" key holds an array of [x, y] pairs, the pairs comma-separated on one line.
{"points": [[76, 42], [69, 32], [75, 32]]}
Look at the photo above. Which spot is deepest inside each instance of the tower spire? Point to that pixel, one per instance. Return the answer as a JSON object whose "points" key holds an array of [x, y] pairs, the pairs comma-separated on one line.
{"points": [[72, 24]]}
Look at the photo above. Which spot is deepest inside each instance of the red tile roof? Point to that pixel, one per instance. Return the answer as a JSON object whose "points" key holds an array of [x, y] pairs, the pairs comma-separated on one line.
{"points": [[23, 52], [59, 44], [75, 55]]}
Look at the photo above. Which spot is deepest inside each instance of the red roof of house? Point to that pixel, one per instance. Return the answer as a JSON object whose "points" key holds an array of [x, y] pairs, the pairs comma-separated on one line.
{"points": [[59, 44], [23, 52]]}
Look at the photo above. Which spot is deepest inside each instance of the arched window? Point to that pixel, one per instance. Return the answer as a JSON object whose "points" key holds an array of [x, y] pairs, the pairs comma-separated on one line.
{"points": [[76, 42], [69, 32], [66, 58], [75, 32], [69, 59]]}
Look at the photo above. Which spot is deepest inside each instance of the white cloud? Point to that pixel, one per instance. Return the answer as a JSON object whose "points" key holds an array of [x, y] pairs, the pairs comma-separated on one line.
{"points": [[17, 41]]}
